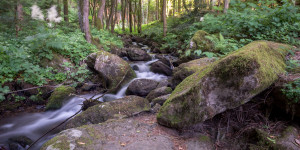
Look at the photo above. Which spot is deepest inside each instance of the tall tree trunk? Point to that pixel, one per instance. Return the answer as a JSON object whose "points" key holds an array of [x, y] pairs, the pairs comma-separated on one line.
{"points": [[123, 8], [174, 7], [140, 17], [226, 6], [184, 5], [148, 12], [19, 17], [164, 17], [114, 19], [80, 14], [66, 11], [58, 7], [161, 10], [157, 10], [99, 20], [179, 6], [85, 19], [135, 18], [130, 16], [111, 14]]}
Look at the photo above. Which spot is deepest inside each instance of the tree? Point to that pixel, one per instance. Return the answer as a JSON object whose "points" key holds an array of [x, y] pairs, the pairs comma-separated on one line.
{"points": [[164, 17], [83, 15], [99, 20], [19, 17], [130, 16], [140, 17], [66, 11], [226, 6]]}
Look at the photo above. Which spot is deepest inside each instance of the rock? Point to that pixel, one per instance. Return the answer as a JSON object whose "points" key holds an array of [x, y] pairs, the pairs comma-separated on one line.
{"points": [[186, 69], [121, 52], [199, 41], [58, 97], [201, 143], [136, 54], [141, 87], [160, 100], [226, 84], [160, 67], [158, 92], [57, 62], [163, 59], [124, 107], [284, 141], [21, 140], [155, 108], [88, 86], [111, 69], [163, 82], [136, 68]]}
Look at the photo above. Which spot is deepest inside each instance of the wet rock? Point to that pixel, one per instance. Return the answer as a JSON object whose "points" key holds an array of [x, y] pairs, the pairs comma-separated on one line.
{"points": [[162, 83], [186, 69], [89, 86], [136, 54], [58, 97], [160, 100], [124, 107], [135, 67], [155, 108], [141, 87], [163, 59], [160, 67], [225, 84], [111, 69], [20, 140], [158, 92]]}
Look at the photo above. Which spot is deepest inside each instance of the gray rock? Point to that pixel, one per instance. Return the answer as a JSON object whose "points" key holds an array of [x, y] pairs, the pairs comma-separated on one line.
{"points": [[136, 54], [158, 92], [160, 67], [141, 87], [160, 100]]}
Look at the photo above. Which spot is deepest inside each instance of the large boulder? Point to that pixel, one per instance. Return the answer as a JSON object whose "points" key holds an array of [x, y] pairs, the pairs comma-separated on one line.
{"points": [[226, 84], [111, 69], [141, 87], [161, 68], [158, 92], [186, 69], [59, 96], [124, 107], [199, 41], [137, 54]]}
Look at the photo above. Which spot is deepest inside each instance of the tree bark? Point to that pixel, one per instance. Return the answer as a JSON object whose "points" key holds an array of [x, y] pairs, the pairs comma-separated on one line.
{"points": [[85, 19], [114, 19], [19, 17], [66, 11], [157, 10], [148, 12], [58, 7], [140, 17], [164, 17], [185, 7], [130, 16], [226, 6], [111, 14], [179, 6], [174, 3], [123, 14], [80, 14], [99, 20]]}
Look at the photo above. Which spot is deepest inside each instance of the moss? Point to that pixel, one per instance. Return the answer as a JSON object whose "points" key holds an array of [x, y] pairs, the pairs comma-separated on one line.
{"points": [[201, 42], [58, 96], [59, 142], [204, 138], [260, 61]]}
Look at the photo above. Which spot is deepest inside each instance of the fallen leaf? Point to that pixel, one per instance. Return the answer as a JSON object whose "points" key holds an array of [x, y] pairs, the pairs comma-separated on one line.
{"points": [[123, 144]]}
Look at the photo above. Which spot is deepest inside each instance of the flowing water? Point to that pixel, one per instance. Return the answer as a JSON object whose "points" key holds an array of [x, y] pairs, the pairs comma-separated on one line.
{"points": [[34, 125]]}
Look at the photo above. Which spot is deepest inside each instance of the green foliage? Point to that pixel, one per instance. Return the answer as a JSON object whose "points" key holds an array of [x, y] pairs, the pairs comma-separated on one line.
{"points": [[222, 45], [107, 39], [3, 90], [257, 22], [292, 91]]}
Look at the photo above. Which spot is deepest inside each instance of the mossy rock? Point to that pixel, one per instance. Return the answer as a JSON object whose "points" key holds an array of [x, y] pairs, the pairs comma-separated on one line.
{"points": [[58, 97], [111, 69], [225, 84], [199, 41], [124, 107], [158, 92], [186, 69]]}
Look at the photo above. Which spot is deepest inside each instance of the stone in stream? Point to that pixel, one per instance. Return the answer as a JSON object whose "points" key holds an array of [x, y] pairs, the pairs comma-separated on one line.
{"points": [[111, 69], [141, 87], [123, 107], [225, 84], [186, 69], [161, 68], [137, 54], [163, 59], [23, 141], [158, 92], [58, 97]]}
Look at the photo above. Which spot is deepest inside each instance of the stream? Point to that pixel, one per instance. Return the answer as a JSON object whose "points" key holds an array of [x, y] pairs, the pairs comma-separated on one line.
{"points": [[34, 125]]}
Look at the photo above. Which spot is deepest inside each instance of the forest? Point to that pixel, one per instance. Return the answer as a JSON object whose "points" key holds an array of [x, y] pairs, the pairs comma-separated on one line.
{"points": [[150, 74]]}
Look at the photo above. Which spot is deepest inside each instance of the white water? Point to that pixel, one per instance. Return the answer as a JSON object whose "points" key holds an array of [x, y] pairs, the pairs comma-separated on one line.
{"points": [[34, 125]]}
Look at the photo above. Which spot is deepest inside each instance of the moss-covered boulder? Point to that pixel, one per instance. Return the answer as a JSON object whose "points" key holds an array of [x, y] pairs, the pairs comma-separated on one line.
{"points": [[186, 69], [124, 107], [111, 69], [59, 96], [158, 92], [225, 84], [199, 41]]}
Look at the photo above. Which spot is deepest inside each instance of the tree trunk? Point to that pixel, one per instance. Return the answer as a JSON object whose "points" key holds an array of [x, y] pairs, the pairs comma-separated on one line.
{"points": [[58, 7], [130, 16], [164, 17], [140, 17], [99, 20], [179, 6], [19, 17], [66, 11], [174, 3], [123, 8], [157, 10], [226, 6], [134, 18], [114, 19], [148, 12], [80, 14], [111, 14], [85, 19], [185, 7], [161, 11]]}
